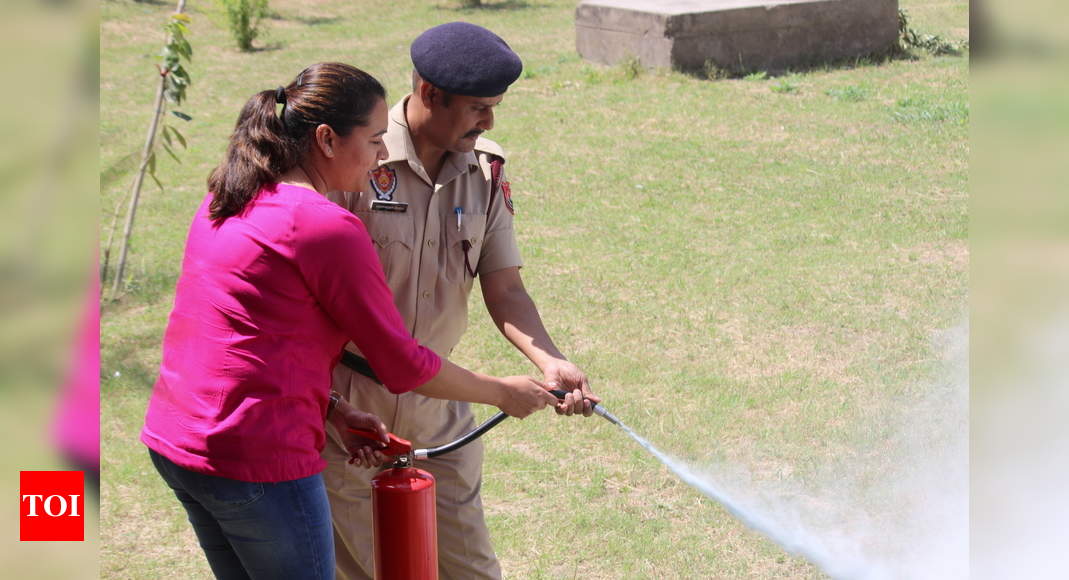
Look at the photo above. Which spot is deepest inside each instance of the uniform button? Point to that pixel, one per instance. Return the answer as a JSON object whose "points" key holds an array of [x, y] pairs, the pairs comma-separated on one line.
{"points": [[426, 293], [430, 243], [475, 240]]}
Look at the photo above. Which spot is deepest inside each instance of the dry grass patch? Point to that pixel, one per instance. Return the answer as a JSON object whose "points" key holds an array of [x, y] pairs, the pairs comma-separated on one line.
{"points": [[796, 348]]}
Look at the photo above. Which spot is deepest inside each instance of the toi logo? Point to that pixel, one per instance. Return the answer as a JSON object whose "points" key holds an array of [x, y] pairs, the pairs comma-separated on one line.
{"points": [[51, 506]]}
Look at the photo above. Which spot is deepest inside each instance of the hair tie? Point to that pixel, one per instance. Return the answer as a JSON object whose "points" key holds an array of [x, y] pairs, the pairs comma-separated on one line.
{"points": [[280, 95]]}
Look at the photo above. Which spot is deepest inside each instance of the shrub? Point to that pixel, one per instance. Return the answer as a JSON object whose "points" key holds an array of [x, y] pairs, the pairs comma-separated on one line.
{"points": [[244, 18], [785, 87]]}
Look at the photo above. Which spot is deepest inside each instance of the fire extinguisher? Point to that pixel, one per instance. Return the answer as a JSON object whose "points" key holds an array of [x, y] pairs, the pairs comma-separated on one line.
{"points": [[403, 504], [405, 527]]}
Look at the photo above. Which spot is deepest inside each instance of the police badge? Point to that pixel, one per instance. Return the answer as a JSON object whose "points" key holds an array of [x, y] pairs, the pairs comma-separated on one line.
{"points": [[384, 182], [506, 192]]}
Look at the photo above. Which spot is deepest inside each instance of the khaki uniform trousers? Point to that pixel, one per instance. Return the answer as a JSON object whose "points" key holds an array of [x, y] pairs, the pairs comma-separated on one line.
{"points": [[464, 549]]}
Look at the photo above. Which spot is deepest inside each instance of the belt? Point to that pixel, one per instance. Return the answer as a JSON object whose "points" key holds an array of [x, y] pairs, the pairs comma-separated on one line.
{"points": [[358, 364]]}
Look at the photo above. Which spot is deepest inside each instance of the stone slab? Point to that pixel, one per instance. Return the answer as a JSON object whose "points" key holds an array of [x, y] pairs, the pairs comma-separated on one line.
{"points": [[736, 35]]}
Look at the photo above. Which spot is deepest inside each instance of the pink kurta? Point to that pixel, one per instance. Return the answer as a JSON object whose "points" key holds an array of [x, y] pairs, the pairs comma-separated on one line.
{"points": [[264, 303]]}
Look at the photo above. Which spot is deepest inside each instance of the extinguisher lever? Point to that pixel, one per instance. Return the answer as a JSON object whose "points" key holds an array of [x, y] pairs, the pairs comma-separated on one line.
{"points": [[396, 446]]}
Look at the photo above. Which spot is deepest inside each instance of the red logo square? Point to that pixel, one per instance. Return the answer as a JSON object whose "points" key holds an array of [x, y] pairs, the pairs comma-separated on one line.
{"points": [[51, 506]]}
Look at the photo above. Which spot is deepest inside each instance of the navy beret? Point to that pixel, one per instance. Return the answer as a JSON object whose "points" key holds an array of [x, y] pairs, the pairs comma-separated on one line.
{"points": [[465, 59]]}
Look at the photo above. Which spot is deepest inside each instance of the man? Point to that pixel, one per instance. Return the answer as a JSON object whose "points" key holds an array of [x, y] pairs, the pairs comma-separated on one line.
{"points": [[440, 213]]}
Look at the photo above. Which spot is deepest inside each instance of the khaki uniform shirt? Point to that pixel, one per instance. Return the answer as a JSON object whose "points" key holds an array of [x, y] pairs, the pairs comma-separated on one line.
{"points": [[429, 261]]}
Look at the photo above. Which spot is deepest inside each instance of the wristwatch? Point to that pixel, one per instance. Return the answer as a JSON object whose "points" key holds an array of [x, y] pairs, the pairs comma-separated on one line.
{"points": [[334, 399]]}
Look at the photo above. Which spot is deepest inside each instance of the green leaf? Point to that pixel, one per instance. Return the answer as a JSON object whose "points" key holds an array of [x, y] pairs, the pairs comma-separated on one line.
{"points": [[175, 89], [167, 148], [171, 135], [180, 72], [157, 180], [182, 115], [172, 94], [178, 136], [183, 47], [152, 164]]}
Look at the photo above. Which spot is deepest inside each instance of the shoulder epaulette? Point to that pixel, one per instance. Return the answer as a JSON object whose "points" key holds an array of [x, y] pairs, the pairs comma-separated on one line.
{"points": [[485, 145]]}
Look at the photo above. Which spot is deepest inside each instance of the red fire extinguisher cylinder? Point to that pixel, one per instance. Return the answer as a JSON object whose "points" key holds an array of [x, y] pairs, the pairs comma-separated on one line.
{"points": [[406, 529]]}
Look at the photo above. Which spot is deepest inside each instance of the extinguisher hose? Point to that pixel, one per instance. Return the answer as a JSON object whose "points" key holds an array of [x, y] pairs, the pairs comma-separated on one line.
{"points": [[468, 438], [490, 424]]}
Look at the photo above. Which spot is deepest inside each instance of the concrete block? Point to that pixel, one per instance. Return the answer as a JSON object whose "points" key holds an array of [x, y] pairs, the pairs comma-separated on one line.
{"points": [[736, 35]]}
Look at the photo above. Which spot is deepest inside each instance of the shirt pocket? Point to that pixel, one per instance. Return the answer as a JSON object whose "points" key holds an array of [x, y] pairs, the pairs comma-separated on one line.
{"points": [[393, 236], [463, 247]]}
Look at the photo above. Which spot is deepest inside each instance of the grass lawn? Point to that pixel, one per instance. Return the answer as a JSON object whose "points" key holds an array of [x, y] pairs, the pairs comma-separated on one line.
{"points": [[750, 270]]}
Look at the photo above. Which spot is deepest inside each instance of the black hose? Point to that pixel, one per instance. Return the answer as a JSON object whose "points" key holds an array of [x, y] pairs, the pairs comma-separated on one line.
{"points": [[474, 433], [471, 436]]}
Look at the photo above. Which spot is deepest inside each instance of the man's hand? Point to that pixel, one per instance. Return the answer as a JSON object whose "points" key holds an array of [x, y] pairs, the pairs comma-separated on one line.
{"points": [[517, 318], [362, 451], [562, 374]]}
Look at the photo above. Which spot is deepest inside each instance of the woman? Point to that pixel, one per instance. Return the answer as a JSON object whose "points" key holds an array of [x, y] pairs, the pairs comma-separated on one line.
{"points": [[274, 281]]}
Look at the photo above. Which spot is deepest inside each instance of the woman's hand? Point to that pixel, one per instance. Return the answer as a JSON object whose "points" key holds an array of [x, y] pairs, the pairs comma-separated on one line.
{"points": [[522, 396], [362, 451]]}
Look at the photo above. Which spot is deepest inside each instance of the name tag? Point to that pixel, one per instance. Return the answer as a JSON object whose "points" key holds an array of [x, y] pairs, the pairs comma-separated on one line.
{"points": [[396, 206]]}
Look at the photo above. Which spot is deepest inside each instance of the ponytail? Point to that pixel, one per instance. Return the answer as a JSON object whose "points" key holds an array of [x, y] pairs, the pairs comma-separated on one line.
{"points": [[260, 151]]}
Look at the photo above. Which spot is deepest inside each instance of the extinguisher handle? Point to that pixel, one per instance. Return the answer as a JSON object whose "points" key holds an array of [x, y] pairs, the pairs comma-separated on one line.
{"points": [[396, 446]]}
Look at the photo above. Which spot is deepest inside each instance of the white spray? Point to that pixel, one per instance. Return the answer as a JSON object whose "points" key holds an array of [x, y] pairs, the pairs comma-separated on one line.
{"points": [[923, 518]]}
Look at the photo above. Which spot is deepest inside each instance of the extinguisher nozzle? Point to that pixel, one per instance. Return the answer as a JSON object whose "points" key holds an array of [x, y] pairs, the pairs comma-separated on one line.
{"points": [[600, 411]]}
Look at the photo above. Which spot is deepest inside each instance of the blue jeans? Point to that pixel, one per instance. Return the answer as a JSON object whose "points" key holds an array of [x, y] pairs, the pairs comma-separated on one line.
{"points": [[256, 530]]}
